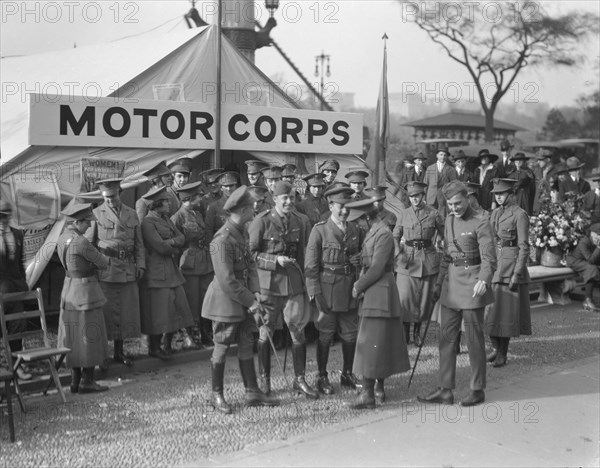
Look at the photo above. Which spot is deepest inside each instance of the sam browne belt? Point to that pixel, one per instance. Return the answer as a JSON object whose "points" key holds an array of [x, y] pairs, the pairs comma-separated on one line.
{"points": [[419, 244], [466, 261], [507, 243]]}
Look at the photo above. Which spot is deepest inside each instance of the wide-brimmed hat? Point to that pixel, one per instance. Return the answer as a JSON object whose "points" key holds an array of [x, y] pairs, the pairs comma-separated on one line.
{"points": [[503, 185], [543, 154], [359, 208], [339, 194], [573, 164], [418, 155], [460, 154], [486, 154], [79, 211], [520, 156], [414, 187]]}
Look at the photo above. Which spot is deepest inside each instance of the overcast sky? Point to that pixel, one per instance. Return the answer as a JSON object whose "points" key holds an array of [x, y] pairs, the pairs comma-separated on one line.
{"points": [[349, 31]]}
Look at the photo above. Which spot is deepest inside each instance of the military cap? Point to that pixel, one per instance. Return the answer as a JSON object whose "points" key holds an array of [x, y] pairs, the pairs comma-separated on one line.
{"points": [[160, 169], [595, 228], [259, 191], [487, 154], [418, 155], [452, 188], [359, 208], [505, 145], [472, 187], [543, 153], [241, 196], [272, 172], [156, 193], [183, 165], [282, 188], [330, 165], [357, 175], [5, 207], [339, 195], [460, 154], [314, 179], [227, 178], [503, 185], [255, 166], [288, 170], [211, 175], [574, 164], [79, 211], [414, 187], [189, 190], [109, 187], [376, 193], [519, 157]]}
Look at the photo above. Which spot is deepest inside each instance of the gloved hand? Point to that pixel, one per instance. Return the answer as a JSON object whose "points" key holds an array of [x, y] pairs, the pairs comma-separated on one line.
{"points": [[321, 303], [437, 292], [512, 284], [355, 259]]}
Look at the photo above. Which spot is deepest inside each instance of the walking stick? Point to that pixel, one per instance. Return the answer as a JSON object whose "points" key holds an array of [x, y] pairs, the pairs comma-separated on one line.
{"points": [[286, 350], [422, 343], [281, 368]]}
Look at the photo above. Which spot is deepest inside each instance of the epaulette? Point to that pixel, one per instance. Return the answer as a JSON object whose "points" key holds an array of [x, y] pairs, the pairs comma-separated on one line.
{"points": [[320, 223], [262, 214]]}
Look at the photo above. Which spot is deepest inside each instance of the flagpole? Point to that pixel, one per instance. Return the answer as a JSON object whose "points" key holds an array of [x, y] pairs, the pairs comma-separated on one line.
{"points": [[217, 158], [382, 123]]}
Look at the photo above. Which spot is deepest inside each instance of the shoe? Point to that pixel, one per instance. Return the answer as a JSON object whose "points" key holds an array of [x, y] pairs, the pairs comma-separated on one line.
{"points": [[22, 375], [159, 354], [302, 387], [589, 305], [349, 380], [219, 402], [500, 360], [475, 398], [254, 397], [364, 401], [91, 387], [418, 341], [442, 396], [324, 385], [379, 392]]}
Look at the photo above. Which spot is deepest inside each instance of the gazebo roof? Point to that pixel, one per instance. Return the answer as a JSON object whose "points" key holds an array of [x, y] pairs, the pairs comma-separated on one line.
{"points": [[461, 119]]}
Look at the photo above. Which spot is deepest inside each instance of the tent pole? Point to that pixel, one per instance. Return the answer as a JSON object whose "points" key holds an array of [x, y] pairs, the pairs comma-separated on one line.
{"points": [[217, 159]]}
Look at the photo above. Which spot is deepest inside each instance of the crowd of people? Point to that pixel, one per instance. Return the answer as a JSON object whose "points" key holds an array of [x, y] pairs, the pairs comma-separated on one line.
{"points": [[223, 263]]}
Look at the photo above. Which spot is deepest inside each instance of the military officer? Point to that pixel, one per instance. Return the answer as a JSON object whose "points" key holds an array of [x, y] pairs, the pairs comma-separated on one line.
{"points": [[314, 205], [158, 176], [215, 214], [464, 288], [417, 266], [232, 296], [272, 175], [194, 263], [329, 169], [211, 187], [180, 170], [509, 315], [357, 178], [378, 195], [332, 259], [259, 193], [117, 233], [81, 300], [288, 174], [253, 172], [277, 243]]}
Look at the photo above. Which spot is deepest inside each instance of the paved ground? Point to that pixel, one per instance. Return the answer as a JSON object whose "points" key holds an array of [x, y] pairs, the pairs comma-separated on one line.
{"points": [[159, 415]]}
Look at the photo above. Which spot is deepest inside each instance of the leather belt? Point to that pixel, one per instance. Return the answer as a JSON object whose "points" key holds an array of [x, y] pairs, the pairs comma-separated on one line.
{"points": [[339, 269], [507, 243], [79, 274], [466, 261], [387, 269], [419, 244], [122, 254]]}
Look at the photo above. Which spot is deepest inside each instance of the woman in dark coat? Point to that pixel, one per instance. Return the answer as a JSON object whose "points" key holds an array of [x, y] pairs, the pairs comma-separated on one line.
{"points": [[524, 188], [585, 260], [484, 175], [509, 315], [164, 305], [381, 346]]}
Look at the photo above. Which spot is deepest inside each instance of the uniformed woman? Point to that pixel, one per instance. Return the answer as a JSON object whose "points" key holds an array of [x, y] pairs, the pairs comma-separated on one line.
{"points": [[417, 261], [509, 315], [81, 324], [380, 348], [164, 306]]}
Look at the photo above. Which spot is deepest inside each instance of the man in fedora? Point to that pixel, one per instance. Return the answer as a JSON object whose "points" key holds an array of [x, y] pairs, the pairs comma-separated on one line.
{"points": [[117, 233], [591, 201], [436, 176], [573, 182], [463, 173], [419, 167], [524, 188], [504, 163]]}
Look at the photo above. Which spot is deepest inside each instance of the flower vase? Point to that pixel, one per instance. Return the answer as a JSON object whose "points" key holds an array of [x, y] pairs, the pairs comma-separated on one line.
{"points": [[551, 257]]}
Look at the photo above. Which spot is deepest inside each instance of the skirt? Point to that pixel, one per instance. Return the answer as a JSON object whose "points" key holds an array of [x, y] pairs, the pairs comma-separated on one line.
{"points": [[510, 315], [84, 332], [164, 310], [415, 297], [122, 310], [380, 348]]}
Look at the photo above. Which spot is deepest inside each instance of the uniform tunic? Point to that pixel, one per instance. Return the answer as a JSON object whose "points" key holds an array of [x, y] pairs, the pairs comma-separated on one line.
{"points": [[317, 209], [81, 322], [164, 304], [195, 263], [381, 346], [119, 237], [389, 218], [470, 239], [207, 200], [417, 268], [329, 272], [216, 216], [142, 205], [509, 315]]}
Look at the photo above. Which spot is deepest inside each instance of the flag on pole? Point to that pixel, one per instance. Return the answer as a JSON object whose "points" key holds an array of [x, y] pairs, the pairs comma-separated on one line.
{"points": [[382, 131]]}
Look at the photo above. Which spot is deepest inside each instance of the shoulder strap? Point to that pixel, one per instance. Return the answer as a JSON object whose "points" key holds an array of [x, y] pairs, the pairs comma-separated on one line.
{"points": [[454, 241]]}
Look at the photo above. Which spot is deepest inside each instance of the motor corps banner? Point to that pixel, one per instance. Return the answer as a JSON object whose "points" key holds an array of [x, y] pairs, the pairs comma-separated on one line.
{"points": [[97, 169], [133, 123]]}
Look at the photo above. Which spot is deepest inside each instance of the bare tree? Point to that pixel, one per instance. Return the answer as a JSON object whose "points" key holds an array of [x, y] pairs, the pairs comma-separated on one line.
{"points": [[494, 41]]}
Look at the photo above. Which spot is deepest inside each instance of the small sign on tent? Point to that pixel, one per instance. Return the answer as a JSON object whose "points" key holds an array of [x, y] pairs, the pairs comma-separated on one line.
{"points": [[93, 170]]}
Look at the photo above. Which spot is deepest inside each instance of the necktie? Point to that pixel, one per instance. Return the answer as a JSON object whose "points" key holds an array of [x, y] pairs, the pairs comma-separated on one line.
{"points": [[285, 221]]}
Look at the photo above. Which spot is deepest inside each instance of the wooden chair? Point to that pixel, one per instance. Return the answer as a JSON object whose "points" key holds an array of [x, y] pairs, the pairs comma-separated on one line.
{"points": [[7, 377], [54, 356]]}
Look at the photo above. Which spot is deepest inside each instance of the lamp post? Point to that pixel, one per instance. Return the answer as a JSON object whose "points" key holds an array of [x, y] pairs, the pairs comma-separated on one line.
{"points": [[321, 59]]}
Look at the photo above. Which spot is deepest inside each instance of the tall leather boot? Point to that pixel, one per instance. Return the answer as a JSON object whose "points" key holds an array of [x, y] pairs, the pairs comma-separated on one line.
{"points": [[119, 356], [168, 343], [348, 379], [218, 400], [323, 383], [407, 331], [457, 344], [491, 357], [501, 360], [254, 397], [417, 334], [366, 398], [75, 379], [300, 385], [87, 384], [154, 348], [264, 366], [379, 391]]}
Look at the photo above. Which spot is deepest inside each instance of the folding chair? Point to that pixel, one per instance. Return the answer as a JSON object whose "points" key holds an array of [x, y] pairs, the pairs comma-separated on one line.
{"points": [[46, 353], [7, 377]]}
